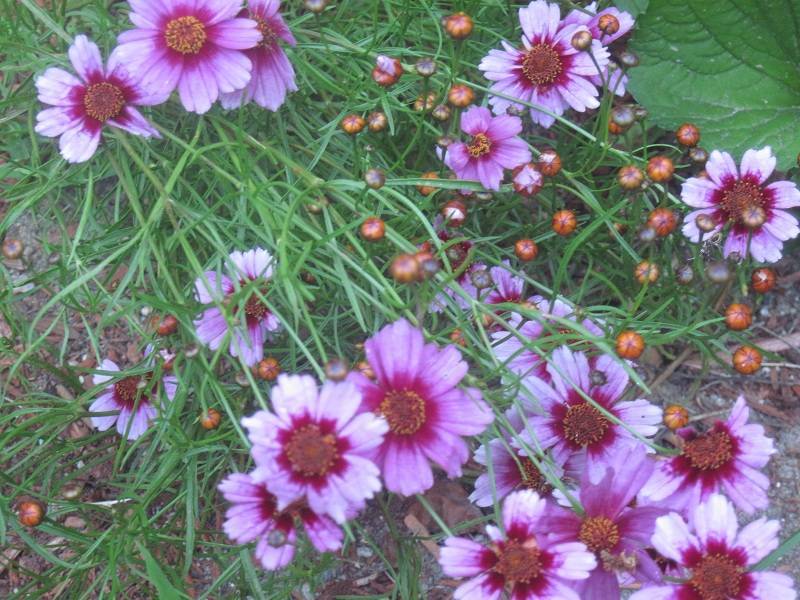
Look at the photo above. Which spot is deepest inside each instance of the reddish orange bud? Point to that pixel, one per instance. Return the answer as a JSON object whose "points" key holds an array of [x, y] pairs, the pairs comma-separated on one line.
{"points": [[387, 71], [405, 268], [663, 221], [210, 419], [526, 249], [629, 345], [353, 124], [763, 280], [738, 317], [676, 416], [12, 248], [168, 325], [646, 272], [630, 177], [268, 369], [460, 96], [608, 24], [747, 360], [31, 512], [564, 222], [549, 163], [377, 121], [454, 213], [373, 229], [458, 26], [660, 169], [427, 190], [688, 135], [336, 369]]}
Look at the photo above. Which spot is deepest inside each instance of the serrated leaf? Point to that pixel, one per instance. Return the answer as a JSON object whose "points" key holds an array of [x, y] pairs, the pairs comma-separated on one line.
{"points": [[729, 66]]}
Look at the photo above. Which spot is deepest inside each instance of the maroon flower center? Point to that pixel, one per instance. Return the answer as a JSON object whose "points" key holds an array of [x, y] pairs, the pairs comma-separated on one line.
{"points": [[254, 308], [479, 145], [542, 64], [103, 101], [311, 452], [532, 477], [742, 201], [186, 35], [599, 533], [404, 411], [717, 577], [268, 36], [127, 390], [710, 451], [584, 424], [518, 561]]}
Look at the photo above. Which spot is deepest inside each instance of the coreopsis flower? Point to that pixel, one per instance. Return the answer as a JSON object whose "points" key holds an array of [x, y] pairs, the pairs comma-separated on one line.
{"points": [[714, 558], [547, 71], [726, 458], [254, 516], [505, 288], [522, 561], [195, 47], [81, 106], [573, 428], [741, 198], [253, 269], [508, 288], [312, 447], [415, 390], [618, 533], [494, 146], [273, 75], [135, 397]]}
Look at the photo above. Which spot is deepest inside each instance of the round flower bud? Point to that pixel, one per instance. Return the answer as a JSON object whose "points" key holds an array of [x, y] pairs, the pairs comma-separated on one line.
{"points": [[549, 163], [481, 278], [527, 180], [582, 40], [676, 416], [684, 274], [763, 280], [268, 369], [647, 234], [374, 178], [646, 272], [705, 222], [377, 121], [458, 26], [336, 369], [315, 6], [387, 71], [353, 124], [373, 229], [425, 103], [747, 360], [738, 316], [564, 222], [526, 249], [168, 325], [210, 419], [454, 213], [629, 345], [718, 271], [688, 135], [425, 67], [698, 155], [630, 177], [753, 217], [663, 221], [405, 268], [31, 512], [608, 24], [623, 116], [441, 112], [12, 248], [429, 267], [660, 169], [628, 59], [457, 337], [460, 96], [427, 190]]}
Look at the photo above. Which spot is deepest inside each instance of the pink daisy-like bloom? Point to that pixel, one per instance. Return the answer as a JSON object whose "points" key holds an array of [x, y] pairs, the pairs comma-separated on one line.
{"points": [[755, 211], [273, 75], [524, 562], [415, 389], [193, 46], [527, 179], [83, 105], [494, 146], [313, 447], [547, 71], [135, 397], [726, 458], [254, 265], [508, 288], [574, 429], [716, 556], [618, 533], [254, 515]]}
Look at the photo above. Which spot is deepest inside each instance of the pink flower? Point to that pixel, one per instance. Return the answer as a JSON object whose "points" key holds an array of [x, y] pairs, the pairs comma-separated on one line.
{"points": [[527, 179], [313, 446], [252, 269], [415, 390], [508, 288], [505, 288], [194, 46], [83, 105], [254, 515], [523, 561], [755, 211], [547, 71], [725, 458], [273, 74], [618, 533], [575, 429], [134, 396], [494, 146], [716, 557]]}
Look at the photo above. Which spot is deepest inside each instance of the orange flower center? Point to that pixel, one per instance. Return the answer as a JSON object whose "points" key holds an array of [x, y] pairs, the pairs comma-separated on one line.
{"points": [[479, 145], [717, 577], [584, 424], [103, 101], [742, 201], [268, 37], [599, 533], [310, 452], [542, 64], [709, 452], [518, 561], [186, 35], [404, 411]]}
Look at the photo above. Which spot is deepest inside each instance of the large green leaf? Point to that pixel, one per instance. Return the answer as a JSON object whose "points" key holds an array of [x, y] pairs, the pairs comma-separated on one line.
{"points": [[729, 66], [635, 7]]}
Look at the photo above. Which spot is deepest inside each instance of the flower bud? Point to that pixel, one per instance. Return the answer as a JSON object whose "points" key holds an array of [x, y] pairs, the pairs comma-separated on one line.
{"points": [[427, 190], [629, 345], [676, 416], [336, 369], [373, 229], [698, 155], [660, 169], [526, 249], [763, 280], [481, 278], [718, 271], [425, 67], [458, 25], [705, 222], [210, 419], [564, 222], [454, 213], [441, 112], [738, 317], [623, 116], [549, 163], [460, 96], [582, 40], [646, 272], [630, 177], [688, 135], [377, 121], [747, 360], [374, 178], [405, 268], [663, 221], [608, 24], [268, 369], [353, 124], [12, 248]]}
